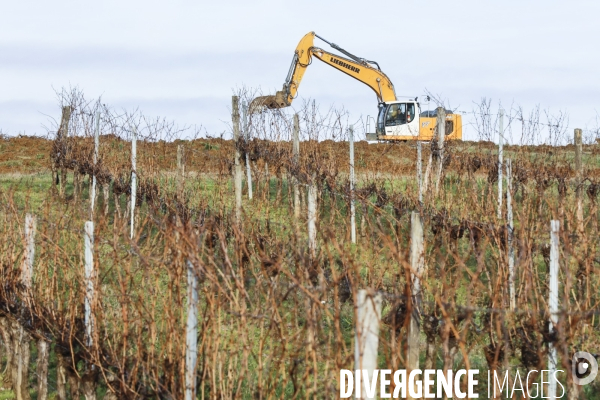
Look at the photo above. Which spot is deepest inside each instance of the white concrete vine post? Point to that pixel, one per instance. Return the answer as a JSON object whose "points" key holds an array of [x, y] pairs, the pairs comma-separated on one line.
{"points": [[296, 155], [553, 303], [247, 139], [441, 128], [96, 146], [420, 171], [366, 337], [191, 341], [511, 227], [579, 181], [312, 216], [180, 172], [417, 266], [88, 240], [500, 159], [237, 167], [133, 180], [352, 205], [43, 347], [27, 269]]}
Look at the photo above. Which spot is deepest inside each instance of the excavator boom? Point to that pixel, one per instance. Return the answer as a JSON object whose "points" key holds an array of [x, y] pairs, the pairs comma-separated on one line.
{"points": [[356, 67]]}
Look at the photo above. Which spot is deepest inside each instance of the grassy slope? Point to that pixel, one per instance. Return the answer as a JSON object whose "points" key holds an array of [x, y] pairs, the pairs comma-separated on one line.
{"points": [[31, 189]]}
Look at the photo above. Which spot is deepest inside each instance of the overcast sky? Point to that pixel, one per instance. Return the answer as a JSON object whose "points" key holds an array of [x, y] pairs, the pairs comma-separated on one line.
{"points": [[183, 59]]}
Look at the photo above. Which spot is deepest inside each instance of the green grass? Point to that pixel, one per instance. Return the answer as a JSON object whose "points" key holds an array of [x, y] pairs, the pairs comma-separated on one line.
{"points": [[30, 192]]}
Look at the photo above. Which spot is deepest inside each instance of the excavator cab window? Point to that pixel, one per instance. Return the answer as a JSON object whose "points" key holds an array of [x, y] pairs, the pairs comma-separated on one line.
{"points": [[396, 114], [449, 129], [399, 114], [410, 112], [381, 119]]}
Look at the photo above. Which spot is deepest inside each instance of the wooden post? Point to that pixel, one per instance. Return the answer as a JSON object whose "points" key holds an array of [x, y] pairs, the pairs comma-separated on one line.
{"points": [[420, 171], [352, 205], [235, 108], [191, 353], [96, 145], [427, 178], [62, 140], [180, 171], [312, 216], [296, 155], [88, 385], [578, 150], [22, 337], [88, 240], [579, 180], [500, 159], [76, 183], [247, 139], [441, 128], [21, 345], [366, 337], [553, 303], [133, 180], [363, 222], [106, 190], [249, 176], [61, 376], [43, 348], [267, 187], [27, 269], [19, 337], [510, 227], [417, 266]]}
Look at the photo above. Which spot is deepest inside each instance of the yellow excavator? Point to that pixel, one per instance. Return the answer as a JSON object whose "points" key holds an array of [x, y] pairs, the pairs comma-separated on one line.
{"points": [[397, 120]]}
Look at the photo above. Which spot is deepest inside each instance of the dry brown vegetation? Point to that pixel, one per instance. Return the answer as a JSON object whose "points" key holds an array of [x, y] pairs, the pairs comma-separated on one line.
{"points": [[275, 320]]}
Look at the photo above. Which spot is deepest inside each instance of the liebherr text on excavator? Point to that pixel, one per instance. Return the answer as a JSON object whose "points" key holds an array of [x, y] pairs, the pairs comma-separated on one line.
{"points": [[397, 120]]}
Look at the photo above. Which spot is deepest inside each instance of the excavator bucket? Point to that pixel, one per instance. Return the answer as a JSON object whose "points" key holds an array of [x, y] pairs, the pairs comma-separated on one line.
{"points": [[271, 102]]}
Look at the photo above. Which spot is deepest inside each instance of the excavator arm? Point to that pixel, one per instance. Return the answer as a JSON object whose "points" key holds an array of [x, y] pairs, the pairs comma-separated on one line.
{"points": [[356, 67]]}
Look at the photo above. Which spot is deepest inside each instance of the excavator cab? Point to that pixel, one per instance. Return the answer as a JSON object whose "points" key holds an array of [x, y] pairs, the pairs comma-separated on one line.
{"points": [[398, 120], [403, 120]]}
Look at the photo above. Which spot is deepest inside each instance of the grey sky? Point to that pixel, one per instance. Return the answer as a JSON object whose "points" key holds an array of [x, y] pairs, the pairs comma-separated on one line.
{"points": [[182, 59]]}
